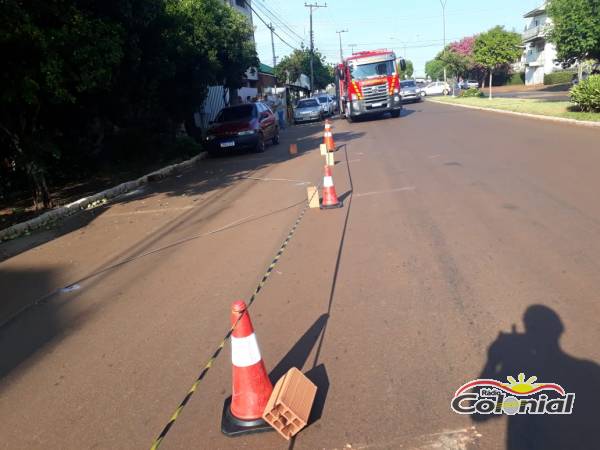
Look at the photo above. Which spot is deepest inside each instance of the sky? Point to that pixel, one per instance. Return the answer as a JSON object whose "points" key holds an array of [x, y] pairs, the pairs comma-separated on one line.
{"points": [[413, 29]]}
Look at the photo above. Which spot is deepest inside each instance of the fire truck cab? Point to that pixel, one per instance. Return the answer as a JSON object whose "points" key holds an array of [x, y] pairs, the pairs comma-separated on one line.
{"points": [[369, 84]]}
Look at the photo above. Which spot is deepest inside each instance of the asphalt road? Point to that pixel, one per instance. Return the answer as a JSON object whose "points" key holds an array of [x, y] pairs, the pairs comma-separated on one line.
{"points": [[456, 224]]}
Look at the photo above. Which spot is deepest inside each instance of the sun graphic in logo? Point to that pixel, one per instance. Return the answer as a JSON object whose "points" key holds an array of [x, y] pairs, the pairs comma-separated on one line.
{"points": [[521, 386]]}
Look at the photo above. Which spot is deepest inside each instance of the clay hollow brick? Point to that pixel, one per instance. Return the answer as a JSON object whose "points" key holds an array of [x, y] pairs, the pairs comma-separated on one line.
{"points": [[288, 408]]}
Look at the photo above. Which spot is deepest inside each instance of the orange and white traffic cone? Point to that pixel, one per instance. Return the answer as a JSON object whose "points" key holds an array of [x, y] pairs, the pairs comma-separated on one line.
{"points": [[328, 137], [330, 198], [242, 412]]}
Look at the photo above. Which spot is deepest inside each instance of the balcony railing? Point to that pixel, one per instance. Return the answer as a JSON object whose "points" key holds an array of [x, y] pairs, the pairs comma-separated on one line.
{"points": [[534, 32], [535, 59]]}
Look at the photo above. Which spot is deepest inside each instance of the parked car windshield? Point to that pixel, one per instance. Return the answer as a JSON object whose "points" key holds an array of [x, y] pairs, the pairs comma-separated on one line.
{"points": [[408, 83], [307, 103], [322, 99], [235, 113], [377, 69]]}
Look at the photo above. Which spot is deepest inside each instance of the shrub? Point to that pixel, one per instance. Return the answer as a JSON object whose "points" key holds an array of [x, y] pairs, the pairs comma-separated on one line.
{"points": [[471, 92], [558, 77], [587, 94], [516, 79]]}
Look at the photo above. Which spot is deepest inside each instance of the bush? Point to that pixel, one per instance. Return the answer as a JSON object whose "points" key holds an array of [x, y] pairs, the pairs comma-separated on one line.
{"points": [[587, 94], [516, 79], [471, 92], [558, 77]]}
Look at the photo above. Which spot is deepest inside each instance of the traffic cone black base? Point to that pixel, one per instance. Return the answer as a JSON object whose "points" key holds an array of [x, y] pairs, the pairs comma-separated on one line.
{"points": [[339, 204], [232, 426]]}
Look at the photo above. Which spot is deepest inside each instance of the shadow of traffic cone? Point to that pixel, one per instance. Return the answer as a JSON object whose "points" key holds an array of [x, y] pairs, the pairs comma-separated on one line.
{"points": [[330, 198], [251, 387], [328, 137]]}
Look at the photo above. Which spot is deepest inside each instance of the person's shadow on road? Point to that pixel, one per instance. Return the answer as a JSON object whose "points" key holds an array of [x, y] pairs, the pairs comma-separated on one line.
{"points": [[537, 352]]}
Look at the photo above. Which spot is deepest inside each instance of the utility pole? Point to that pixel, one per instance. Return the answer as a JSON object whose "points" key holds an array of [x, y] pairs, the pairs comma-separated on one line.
{"points": [[272, 28], [312, 6], [340, 35], [352, 47], [443, 3]]}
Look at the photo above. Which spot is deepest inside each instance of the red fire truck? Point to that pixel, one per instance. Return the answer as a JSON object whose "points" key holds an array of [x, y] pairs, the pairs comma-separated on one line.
{"points": [[368, 83]]}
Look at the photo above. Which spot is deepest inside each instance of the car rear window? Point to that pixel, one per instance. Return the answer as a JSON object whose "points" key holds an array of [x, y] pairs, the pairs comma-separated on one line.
{"points": [[307, 103], [408, 83], [234, 113]]}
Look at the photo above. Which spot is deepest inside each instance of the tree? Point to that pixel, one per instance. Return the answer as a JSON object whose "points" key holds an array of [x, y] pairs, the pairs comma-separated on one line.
{"points": [[496, 48], [54, 55], [434, 69], [76, 68], [408, 73], [456, 63], [575, 29], [298, 62]]}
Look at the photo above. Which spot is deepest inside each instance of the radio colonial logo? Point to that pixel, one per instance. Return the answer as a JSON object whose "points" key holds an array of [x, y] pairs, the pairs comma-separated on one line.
{"points": [[488, 396]]}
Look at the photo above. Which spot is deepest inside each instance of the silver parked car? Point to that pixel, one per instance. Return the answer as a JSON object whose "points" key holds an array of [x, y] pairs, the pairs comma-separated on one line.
{"points": [[410, 92], [468, 84], [326, 104], [307, 110]]}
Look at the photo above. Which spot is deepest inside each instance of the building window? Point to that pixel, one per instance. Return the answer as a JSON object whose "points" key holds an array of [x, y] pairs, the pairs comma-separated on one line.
{"points": [[241, 3]]}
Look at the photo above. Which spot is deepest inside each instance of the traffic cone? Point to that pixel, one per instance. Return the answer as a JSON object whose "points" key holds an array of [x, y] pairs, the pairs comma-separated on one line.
{"points": [[251, 387], [328, 137], [330, 198]]}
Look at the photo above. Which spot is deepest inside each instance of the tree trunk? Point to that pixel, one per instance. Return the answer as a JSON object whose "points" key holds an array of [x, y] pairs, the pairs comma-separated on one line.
{"points": [[41, 194], [491, 83]]}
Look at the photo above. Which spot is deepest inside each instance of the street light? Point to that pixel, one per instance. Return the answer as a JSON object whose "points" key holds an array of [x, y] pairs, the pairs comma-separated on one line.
{"points": [[340, 35], [443, 3]]}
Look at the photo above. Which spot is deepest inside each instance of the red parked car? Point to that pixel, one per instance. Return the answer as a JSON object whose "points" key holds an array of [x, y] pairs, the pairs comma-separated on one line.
{"points": [[242, 127]]}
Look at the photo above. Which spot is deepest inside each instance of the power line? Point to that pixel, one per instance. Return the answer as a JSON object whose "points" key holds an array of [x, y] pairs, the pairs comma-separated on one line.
{"points": [[277, 18], [273, 15], [291, 37], [267, 25]]}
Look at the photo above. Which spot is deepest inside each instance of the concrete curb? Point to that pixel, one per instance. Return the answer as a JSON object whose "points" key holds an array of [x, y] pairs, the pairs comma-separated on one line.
{"points": [[99, 199], [581, 123]]}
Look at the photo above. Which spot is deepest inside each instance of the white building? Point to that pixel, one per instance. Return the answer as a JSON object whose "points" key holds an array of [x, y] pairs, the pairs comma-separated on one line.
{"points": [[539, 55]]}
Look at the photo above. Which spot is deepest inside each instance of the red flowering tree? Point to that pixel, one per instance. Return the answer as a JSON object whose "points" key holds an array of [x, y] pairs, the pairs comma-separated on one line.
{"points": [[464, 46]]}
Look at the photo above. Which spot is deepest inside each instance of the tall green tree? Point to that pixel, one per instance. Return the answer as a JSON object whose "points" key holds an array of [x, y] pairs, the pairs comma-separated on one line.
{"points": [[575, 30], [55, 55], [456, 63], [73, 69], [410, 69], [298, 62], [434, 69], [496, 48]]}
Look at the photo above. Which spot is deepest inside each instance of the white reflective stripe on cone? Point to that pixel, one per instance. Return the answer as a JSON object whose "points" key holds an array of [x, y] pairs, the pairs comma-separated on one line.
{"points": [[244, 351], [327, 182]]}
